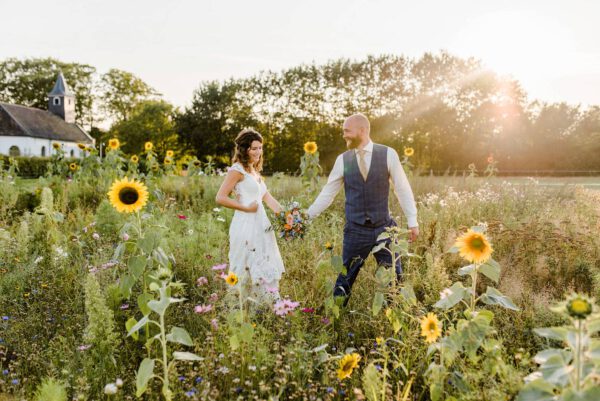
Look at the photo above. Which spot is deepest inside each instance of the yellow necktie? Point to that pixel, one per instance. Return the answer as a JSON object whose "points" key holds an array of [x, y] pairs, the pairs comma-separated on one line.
{"points": [[362, 165]]}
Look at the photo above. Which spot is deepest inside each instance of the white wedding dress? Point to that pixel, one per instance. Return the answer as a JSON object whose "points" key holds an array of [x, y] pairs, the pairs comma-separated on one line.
{"points": [[253, 252]]}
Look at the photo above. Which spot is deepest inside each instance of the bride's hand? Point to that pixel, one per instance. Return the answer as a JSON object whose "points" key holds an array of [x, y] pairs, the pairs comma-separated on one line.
{"points": [[252, 208]]}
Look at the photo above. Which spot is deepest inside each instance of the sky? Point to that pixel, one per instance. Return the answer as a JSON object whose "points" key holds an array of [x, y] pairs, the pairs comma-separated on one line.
{"points": [[551, 47]]}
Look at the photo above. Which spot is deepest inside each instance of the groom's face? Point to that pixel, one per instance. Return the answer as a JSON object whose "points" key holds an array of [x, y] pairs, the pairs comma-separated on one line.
{"points": [[352, 134]]}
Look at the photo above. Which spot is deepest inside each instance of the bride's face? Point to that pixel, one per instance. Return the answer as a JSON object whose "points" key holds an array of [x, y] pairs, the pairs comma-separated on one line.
{"points": [[255, 151]]}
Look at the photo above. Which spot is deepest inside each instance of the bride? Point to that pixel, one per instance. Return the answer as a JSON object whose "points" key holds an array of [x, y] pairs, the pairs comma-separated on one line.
{"points": [[253, 253]]}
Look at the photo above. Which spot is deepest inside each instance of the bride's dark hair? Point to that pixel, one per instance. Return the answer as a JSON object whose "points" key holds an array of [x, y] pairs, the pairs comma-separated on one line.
{"points": [[243, 142]]}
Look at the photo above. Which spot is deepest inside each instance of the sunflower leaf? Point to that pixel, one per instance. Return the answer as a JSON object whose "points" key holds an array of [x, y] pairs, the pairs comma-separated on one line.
{"points": [[491, 269], [377, 303], [466, 270], [455, 295], [478, 229], [494, 297], [553, 333], [454, 249]]}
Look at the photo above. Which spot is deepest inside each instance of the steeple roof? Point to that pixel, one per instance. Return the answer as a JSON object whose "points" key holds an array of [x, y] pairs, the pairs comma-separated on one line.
{"points": [[60, 87]]}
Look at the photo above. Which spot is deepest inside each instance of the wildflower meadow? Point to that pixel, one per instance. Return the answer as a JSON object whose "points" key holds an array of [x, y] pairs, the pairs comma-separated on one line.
{"points": [[114, 285]]}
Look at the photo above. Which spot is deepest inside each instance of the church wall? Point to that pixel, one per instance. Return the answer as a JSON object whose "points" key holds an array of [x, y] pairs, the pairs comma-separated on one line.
{"points": [[29, 146]]}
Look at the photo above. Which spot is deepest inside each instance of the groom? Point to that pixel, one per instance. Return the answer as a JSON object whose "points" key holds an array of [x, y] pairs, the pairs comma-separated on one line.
{"points": [[365, 171]]}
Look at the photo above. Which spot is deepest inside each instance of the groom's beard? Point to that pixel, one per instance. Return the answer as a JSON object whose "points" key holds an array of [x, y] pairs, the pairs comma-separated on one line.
{"points": [[352, 143]]}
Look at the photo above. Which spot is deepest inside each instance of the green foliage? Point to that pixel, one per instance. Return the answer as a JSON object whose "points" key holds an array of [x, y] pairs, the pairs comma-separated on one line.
{"points": [[122, 92], [570, 372], [150, 120], [99, 336], [51, 390]]}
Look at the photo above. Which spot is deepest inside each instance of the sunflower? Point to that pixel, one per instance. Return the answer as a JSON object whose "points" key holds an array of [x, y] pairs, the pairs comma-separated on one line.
{"points": [[328, 246], [474, 247], [128, 196], [196, 163], [310, 147], [135, 159], [73, 166], [114, 144], [231, 279], [81, 146], [148, 146], [170, 153], [408, 152], [579, 306], [56, 145], [430, 328], [471, 166], [168, 161], [88, 149], [347, 365]]}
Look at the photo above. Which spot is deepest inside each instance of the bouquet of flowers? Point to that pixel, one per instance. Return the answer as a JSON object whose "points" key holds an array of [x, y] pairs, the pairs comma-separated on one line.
{"points": [[291, 222]]}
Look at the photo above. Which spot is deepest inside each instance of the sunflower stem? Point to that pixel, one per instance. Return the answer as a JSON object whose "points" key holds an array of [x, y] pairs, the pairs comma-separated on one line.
{"points": [[578, 355], [474, 287]]}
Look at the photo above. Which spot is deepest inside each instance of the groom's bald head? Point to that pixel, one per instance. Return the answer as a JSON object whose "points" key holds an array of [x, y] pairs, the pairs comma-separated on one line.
{"points": [[356, 130]]}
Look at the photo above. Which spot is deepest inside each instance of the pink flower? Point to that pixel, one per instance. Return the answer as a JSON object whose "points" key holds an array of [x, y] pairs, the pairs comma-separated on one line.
{"points": [[96, 236], [213, 297], [273, 290], [215, 324], [203, 308], [308, 310], [325, 321], [222, 266], [124, 306], [201, 281], [125, 237], [285, 307], [83, 347], [182, 217]]}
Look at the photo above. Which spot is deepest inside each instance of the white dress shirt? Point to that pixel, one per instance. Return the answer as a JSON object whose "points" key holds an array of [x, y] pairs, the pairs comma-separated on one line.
{"points": [[397, 176]]}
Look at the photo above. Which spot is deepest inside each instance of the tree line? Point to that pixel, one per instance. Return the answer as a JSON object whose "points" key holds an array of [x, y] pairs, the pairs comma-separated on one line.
{"points": [[450, 110]]}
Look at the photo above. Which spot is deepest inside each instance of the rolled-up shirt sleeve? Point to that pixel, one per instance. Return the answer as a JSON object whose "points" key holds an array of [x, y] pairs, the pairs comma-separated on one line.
{"points": [[402, 188], [330, 190]]}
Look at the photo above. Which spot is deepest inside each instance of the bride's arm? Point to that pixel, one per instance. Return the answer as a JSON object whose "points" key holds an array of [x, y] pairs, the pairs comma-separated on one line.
{"points": [[223, 198], [272, 202]]}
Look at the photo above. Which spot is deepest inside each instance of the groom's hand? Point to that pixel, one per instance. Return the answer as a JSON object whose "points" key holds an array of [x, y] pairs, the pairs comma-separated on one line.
{"points": [[413, 234]]}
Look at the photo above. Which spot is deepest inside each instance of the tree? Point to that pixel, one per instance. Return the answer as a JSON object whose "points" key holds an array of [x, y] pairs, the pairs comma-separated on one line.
{"points": [[28, 82], [121, 92], [151, 120], [216, 116]]}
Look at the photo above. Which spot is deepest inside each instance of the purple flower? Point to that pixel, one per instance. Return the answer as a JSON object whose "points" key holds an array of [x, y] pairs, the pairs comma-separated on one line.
{"points": [[96, 236], [83, 347], [325, 321], [15, 381], [201, 281], [5, 318], [215, 324], [124, 306]]}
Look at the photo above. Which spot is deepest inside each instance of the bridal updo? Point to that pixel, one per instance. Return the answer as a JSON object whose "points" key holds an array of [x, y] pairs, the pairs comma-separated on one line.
{"points": [[243, 142]]}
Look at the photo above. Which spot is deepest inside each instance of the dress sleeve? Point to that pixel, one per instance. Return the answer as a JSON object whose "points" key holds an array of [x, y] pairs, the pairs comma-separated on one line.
{"points": [[238, 167]]}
